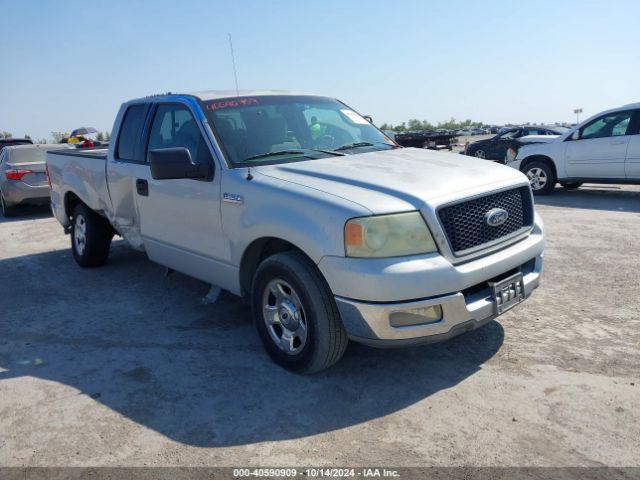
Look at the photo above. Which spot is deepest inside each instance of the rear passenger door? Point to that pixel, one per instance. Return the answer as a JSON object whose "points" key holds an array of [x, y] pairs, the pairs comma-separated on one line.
{"points": [[180, 218], [125, 165], [601, 148]]}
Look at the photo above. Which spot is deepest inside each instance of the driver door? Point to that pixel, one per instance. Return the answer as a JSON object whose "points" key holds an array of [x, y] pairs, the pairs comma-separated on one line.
{"points": [[601, 148], [180, 219]]}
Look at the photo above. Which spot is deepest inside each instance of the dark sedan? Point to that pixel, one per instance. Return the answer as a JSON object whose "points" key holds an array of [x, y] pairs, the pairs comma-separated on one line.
{"points": [[495, 148]]}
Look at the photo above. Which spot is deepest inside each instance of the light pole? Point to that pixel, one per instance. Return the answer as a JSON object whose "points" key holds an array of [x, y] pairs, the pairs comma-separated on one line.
{"points": [[577, 111]]}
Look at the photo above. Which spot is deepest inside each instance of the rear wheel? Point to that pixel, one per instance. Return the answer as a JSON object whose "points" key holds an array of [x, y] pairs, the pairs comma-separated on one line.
{"points": [[5, 210], [296, 315], [541, 177], [571, 185], [91, 237]]}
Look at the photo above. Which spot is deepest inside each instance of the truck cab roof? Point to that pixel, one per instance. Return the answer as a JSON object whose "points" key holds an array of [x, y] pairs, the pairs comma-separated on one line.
{"points": [[207, 95]]}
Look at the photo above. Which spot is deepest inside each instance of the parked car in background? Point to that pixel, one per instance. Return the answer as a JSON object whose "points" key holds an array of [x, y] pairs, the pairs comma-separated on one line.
{"points": [[22, 176], [433, 139], [495, 148], [390, 133], [603, 149], [8, 142], [300, 204]]}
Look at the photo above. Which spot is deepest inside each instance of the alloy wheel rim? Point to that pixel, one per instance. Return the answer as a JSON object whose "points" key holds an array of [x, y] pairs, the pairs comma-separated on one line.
{"points": [[480, 154], [284, 316], [80, 234], [537, 178]]}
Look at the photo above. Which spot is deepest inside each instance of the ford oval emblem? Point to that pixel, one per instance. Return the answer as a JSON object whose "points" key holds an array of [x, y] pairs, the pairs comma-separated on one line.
{"points": [[496, 217]]}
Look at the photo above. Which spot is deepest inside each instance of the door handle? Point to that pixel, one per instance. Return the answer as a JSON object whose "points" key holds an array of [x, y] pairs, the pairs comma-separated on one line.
{"points": [[617, 142], [142, 187]]}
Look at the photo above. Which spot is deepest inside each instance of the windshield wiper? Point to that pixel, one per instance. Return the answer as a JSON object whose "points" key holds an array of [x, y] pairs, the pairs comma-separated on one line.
{"points": [[330, 152], [274, 154], [349, 146]]}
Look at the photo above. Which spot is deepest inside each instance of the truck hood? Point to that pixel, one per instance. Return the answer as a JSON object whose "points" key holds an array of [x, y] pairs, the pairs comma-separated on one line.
{"points": [[396, 180]]}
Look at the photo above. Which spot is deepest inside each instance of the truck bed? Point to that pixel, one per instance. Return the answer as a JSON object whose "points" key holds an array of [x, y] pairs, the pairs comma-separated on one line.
{"points": [[82, 172]]}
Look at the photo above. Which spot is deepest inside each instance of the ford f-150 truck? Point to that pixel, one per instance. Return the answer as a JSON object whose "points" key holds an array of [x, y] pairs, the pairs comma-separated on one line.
{"points": [[330, 229]]}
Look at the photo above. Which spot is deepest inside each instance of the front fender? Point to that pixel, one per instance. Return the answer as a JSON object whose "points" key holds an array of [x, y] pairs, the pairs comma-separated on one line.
{"points": [[311, 220]]}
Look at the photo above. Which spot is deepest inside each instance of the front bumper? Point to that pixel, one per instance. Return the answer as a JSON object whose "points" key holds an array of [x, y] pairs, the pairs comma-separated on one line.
{"points": [[370, 323], [515, 163], [369, 292]]}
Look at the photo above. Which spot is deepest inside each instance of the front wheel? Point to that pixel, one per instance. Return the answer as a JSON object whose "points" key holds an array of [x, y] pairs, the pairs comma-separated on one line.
{"points": [[571, 185], [541, 177], [296, 315], [91, 237]]}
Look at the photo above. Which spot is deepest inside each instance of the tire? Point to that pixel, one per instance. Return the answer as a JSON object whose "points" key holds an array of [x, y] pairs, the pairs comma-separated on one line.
{"points": [[5, 210], [571, 185], [91, 237], [296, 315], [541, 177]]}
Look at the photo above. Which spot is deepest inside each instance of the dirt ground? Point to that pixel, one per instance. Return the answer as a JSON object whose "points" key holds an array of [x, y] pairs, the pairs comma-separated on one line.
{"points": [[121, 366]]}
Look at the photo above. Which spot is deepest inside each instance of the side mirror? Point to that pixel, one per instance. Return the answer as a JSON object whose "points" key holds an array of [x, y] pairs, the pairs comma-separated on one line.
{"points": [[368, 118], [575, 135], [175, 163]]}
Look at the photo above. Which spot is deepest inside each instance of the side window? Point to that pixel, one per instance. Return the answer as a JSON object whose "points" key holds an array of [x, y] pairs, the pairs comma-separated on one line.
{"points": [[509, 134], [130, 132], [611, 125], [174, 126]]}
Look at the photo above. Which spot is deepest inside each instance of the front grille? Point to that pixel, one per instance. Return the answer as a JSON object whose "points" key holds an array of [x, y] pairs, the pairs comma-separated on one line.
{"points": [[465, 225]]}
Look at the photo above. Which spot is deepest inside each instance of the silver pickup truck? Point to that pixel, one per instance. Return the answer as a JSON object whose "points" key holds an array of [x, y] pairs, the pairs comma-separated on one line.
{"points": [[298, 203]]}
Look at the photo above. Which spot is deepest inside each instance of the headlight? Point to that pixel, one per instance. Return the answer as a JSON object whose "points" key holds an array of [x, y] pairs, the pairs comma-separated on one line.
{"points": [[394, 235]]}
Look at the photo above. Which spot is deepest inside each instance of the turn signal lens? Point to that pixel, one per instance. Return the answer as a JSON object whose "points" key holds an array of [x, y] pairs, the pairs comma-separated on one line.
{"points": [[394, 235], [16, 174], [353, 234]]}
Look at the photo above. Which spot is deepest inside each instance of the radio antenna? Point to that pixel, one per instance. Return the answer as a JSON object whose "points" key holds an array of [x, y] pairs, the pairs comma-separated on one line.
{"points": [[235, 76], [233, 61]]}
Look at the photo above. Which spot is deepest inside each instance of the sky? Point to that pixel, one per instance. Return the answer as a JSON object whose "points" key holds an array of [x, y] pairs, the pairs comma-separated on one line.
{"points": [[70, 64]]}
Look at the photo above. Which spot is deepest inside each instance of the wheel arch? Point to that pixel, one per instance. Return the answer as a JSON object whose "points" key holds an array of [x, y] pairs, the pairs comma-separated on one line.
{"points": [[256, 252], [71, 200], [541, 158]]}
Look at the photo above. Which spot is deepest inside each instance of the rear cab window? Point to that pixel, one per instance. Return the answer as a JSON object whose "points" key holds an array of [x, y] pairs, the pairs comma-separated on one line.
{"points": [[128, 146]]}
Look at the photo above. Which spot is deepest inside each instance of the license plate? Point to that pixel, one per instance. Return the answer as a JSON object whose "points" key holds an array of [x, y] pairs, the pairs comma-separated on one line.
{"points": [[507, 293], [431, 143]]}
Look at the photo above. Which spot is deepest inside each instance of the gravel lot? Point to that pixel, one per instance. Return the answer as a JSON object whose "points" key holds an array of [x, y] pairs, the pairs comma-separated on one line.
{"points": [[120, 366]]}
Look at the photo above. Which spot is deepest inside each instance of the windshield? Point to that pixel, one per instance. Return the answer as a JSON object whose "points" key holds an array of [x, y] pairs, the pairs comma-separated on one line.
{"points": [[283, 128]]}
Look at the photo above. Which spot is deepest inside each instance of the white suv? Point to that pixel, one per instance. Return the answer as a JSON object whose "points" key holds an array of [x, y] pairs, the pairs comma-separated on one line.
{"points": [[603, 149]]}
